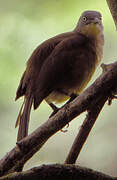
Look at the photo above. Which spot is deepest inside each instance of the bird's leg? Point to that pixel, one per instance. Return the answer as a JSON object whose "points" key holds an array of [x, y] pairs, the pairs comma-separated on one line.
{"points": [[72, 97], [56, 109]]}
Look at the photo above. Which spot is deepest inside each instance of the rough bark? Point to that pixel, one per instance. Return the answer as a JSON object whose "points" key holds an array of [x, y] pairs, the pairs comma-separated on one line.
{"points": [[58, 172]]}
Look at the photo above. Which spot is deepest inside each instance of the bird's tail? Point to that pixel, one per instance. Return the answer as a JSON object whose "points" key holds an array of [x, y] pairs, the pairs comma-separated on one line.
{"points": [[23, 118]]}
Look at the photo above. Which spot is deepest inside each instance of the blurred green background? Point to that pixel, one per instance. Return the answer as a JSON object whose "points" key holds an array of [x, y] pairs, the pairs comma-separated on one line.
{"points": [[24, 25]]}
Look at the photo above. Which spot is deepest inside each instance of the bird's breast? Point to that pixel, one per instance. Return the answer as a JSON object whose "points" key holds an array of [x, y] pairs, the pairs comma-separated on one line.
{"points": [[76, 79], [83, 66]]}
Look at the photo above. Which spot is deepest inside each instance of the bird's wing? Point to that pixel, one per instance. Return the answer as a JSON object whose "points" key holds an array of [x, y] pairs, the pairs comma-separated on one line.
{"points": [[36, 61], [55, 69]]}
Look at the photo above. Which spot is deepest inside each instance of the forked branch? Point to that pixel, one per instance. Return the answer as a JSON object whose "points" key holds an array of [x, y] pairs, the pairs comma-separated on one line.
{"points": [[84, 132], [101, 89]]}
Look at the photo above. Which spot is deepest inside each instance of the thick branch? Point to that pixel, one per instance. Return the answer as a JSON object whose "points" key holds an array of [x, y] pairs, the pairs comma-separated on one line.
{"points": [[113, 9], [84, 132], [26, 148], [59, 172]]}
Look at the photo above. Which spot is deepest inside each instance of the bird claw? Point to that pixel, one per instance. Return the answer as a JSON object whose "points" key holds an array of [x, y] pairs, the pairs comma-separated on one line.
{"points": [[64, 131]]}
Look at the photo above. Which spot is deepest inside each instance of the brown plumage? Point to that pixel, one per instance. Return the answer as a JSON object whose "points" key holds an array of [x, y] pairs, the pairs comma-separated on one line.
{"points": [[61, 67]]}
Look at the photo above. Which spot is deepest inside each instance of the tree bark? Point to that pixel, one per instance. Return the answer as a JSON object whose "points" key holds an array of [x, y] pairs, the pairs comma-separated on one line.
{"points": [[84, 132], [112, 4], [58, 172]]}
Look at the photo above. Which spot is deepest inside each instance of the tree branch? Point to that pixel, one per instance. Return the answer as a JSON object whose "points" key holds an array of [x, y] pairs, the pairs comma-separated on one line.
{"points": [[84, 132], [102, 88], [113, 9], [58, 172]]}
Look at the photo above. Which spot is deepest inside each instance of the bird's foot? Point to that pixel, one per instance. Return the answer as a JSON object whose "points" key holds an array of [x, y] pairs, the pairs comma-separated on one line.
{"points": [[55, 110], [65, 130]]}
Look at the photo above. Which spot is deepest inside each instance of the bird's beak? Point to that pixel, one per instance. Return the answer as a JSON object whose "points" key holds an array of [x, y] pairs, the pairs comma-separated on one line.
{"points": [[96, 21]]}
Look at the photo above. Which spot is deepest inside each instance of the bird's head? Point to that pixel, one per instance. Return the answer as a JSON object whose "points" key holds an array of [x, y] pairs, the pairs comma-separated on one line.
{"points": [[90, 23]]}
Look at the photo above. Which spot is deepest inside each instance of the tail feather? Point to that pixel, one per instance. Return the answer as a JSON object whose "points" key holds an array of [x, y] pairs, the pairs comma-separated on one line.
{"points": [[19, 115], [21, 88], [23, 118]]}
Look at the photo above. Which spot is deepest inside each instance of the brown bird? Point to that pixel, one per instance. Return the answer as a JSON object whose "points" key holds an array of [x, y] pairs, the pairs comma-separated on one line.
{"points": [[60, 68]]}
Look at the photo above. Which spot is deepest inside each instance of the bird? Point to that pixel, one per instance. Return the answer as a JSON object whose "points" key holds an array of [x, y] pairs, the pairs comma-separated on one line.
{"points": [[60, 68]]}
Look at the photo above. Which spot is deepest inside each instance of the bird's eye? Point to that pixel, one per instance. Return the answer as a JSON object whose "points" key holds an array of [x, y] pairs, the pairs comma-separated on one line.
{"points": [[84, 18]]}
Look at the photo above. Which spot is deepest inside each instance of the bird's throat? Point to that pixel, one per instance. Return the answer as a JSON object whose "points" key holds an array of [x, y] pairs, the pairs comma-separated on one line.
{"points": [[92, 30], [95, 31]]}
